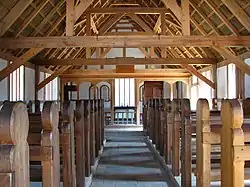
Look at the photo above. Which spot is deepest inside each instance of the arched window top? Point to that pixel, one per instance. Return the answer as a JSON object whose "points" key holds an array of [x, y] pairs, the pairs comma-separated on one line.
{"points": [[104, 93], [93, 92]]}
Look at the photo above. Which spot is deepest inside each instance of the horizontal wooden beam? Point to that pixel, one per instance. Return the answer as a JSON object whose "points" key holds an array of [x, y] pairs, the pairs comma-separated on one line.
{"points": [[134, 10], [125, 61], [111, 74], [123, 41]]}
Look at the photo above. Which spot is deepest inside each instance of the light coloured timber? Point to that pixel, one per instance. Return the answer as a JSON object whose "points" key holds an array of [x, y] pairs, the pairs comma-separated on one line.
{"points": [[70, 17], [124, 41], [234, 59], [13, 14], [243, 56], [18, 62], [124, 61], [52, 77], [111, 74], [80, 9], [9, 57], [133, 10], [238, 12]]}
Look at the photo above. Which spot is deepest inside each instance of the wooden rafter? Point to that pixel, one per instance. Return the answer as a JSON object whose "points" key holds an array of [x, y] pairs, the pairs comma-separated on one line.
{"points": [[234, 59], [13, 14], [80, 9], [52, 77], [192, 70], [18, 62], [238, 12]]}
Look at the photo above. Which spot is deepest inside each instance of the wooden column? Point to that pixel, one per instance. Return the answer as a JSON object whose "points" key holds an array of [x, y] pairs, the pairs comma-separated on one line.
{"points": [[112, 103], [240, 84], [61, 91], [37, 80], [88, 33], [137, 101], [214, 74], [78, 91], [163, 32]]}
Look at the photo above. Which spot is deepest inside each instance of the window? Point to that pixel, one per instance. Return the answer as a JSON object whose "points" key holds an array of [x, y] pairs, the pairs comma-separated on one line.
{"points": [[125, 92], [104, 92], [51, 89], [17, 84], [93, 90]]}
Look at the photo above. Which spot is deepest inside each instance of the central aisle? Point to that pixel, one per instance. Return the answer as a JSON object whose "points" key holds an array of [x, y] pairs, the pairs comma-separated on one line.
{"points": [[127, 161]]}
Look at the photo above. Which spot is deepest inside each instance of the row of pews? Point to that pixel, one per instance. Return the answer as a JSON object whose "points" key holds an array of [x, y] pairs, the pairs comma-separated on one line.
{"points": [[211, 144], [58, 144]]}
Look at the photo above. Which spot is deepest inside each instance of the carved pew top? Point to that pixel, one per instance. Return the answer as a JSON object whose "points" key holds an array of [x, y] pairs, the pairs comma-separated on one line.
{"points": [[14, 127]]}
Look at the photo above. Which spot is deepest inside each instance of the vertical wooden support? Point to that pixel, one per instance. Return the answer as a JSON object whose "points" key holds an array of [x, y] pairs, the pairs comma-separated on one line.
{"points": [[102, 118], [232, 143], [176, 118], [137, 101], [162, 126], [145, 116], [97, 128], [153, 121], [157, 123], [112, 103], [240, 84], [37, 80], [150, 118], [92, 132], [80, 146], [68, 142], [203, 148], [14, 128], [88, 33], [214, 73], [163, 32], [186, 152], [61, 92], [168, 131], [87, 137], [171, 91]]}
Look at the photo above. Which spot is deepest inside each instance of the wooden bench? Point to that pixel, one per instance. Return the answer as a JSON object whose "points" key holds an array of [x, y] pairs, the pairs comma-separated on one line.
{"points": [[14, 149]]}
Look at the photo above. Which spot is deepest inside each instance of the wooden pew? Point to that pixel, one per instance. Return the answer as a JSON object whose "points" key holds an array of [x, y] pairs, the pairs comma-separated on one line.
{"points": [[210, 132], [14, 149], [234, 151], [43, 139]]}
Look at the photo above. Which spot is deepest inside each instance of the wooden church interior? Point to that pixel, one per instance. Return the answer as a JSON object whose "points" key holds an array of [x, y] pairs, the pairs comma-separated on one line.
{"points": [[69, 69]]}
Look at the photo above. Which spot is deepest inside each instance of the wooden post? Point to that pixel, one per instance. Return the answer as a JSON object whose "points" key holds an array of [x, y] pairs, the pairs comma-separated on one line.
{"points": [[203, 147], [68, 142], [186, 138], [137, 101], [91, 122], [162, 126], [157, 123], [80, 147], [214, 73], [112, 103], [37, 80], [168, 131], [232, 145], [102, 119], [14, 128], [176, 138], [87, 137]]}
